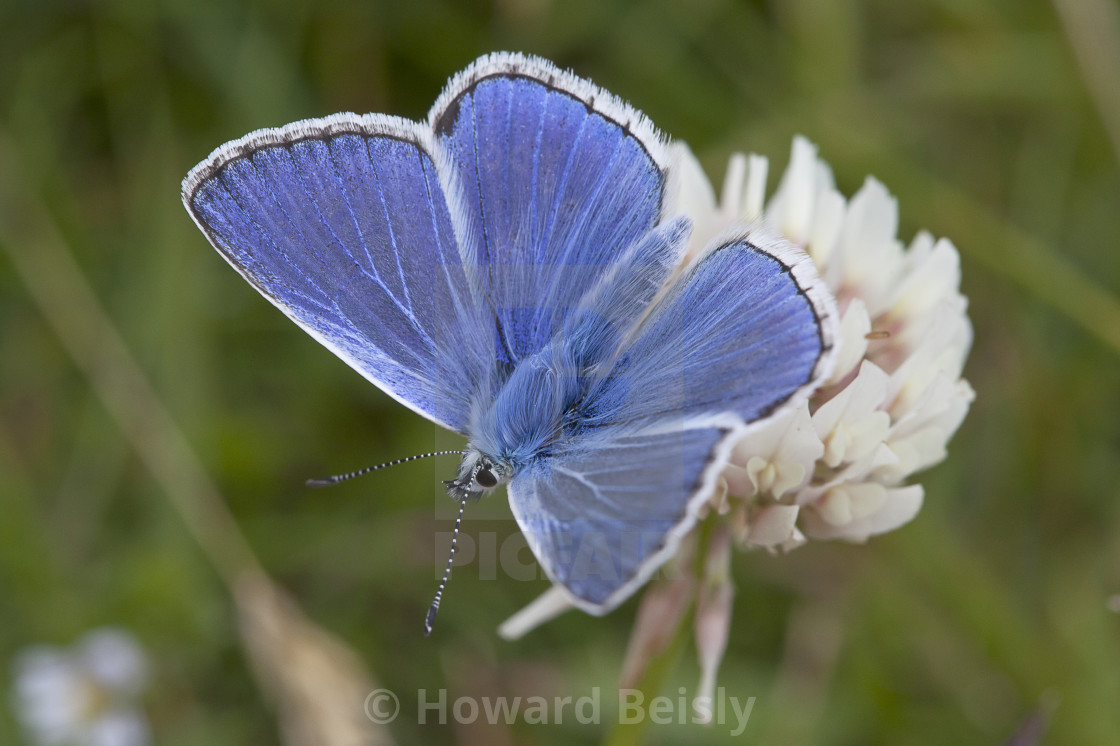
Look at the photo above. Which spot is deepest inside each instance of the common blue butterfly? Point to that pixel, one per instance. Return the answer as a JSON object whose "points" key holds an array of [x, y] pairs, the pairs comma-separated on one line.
{"points": [[509, 269]]}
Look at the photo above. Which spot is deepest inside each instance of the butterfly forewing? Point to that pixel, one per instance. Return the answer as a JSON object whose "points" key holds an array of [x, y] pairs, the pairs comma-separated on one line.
{"points": [[343, 224], [557, 179]]}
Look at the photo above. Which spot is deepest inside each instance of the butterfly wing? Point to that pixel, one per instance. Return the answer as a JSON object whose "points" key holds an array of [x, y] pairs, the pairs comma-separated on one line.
{"points": [[559, 177], [603, 514], [343, 224], [746, 329], [744, 334]]}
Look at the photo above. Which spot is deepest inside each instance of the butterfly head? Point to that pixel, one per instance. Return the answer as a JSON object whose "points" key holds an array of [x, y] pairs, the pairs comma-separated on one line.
{"points": [[478, 474]]}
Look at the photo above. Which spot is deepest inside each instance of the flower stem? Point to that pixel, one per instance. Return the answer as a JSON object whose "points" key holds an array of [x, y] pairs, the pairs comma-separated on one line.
{"points": [[663, 663]]}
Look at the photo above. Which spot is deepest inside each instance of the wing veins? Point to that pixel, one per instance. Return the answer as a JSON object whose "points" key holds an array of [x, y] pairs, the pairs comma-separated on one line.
{"points": [[376, 276], [330, 229], [408, 312], [486, 236], [392, 235], [459, 304], [534, 185], [577, 476], [257, 226], [569, 246], [562, 186]]}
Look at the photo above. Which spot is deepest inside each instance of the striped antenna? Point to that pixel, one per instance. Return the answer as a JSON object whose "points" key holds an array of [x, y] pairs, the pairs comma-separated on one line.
{"points": [[430, 619], [328, 481]]}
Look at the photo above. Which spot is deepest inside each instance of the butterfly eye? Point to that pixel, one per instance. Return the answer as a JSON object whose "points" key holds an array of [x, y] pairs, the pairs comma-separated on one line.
{"points": [[485, 478]]}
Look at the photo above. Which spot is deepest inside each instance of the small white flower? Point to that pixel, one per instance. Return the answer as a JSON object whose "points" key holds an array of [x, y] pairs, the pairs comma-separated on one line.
{"points": [[836, 467], [859, 510], [855, 325], [896, 395], [85, 695], [777, 459], [852, 424], [773, 526]]}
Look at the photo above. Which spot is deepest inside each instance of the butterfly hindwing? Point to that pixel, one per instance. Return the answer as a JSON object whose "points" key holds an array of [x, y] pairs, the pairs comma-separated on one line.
{"points": [[603, 516], [343, 224]]}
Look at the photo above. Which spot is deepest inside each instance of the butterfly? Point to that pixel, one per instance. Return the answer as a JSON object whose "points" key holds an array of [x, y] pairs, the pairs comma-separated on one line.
{"points": [[513, 270]]}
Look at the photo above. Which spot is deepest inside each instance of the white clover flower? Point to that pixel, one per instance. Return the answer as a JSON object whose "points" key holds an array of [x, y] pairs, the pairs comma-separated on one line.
{"points": [[84, 695], [896, 395], [837, 466]]}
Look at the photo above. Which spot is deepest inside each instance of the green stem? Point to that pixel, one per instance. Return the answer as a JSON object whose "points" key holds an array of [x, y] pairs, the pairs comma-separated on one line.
{"points": [[664, 663]]}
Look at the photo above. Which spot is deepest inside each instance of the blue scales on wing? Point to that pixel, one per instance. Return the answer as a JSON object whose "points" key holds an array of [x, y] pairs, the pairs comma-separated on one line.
{"points": [[599, 514], [559, 178], [742, 331], [343, 224]]}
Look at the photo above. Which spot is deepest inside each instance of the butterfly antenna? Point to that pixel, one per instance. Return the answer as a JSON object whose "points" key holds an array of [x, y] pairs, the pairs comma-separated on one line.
{"points": [[328, 481], [430, 619]]}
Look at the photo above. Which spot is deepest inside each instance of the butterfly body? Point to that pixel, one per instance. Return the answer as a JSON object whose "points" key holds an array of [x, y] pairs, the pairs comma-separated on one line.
{"points": [[512, 270], [552, 399], [520, 426]]}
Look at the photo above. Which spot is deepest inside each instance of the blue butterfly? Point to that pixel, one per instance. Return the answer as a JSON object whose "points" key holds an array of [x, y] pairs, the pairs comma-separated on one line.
{"points": [[510, 269]]}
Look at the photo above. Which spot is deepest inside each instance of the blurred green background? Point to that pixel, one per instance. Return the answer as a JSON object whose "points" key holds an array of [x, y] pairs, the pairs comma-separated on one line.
{"points": [[996, 124]]}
